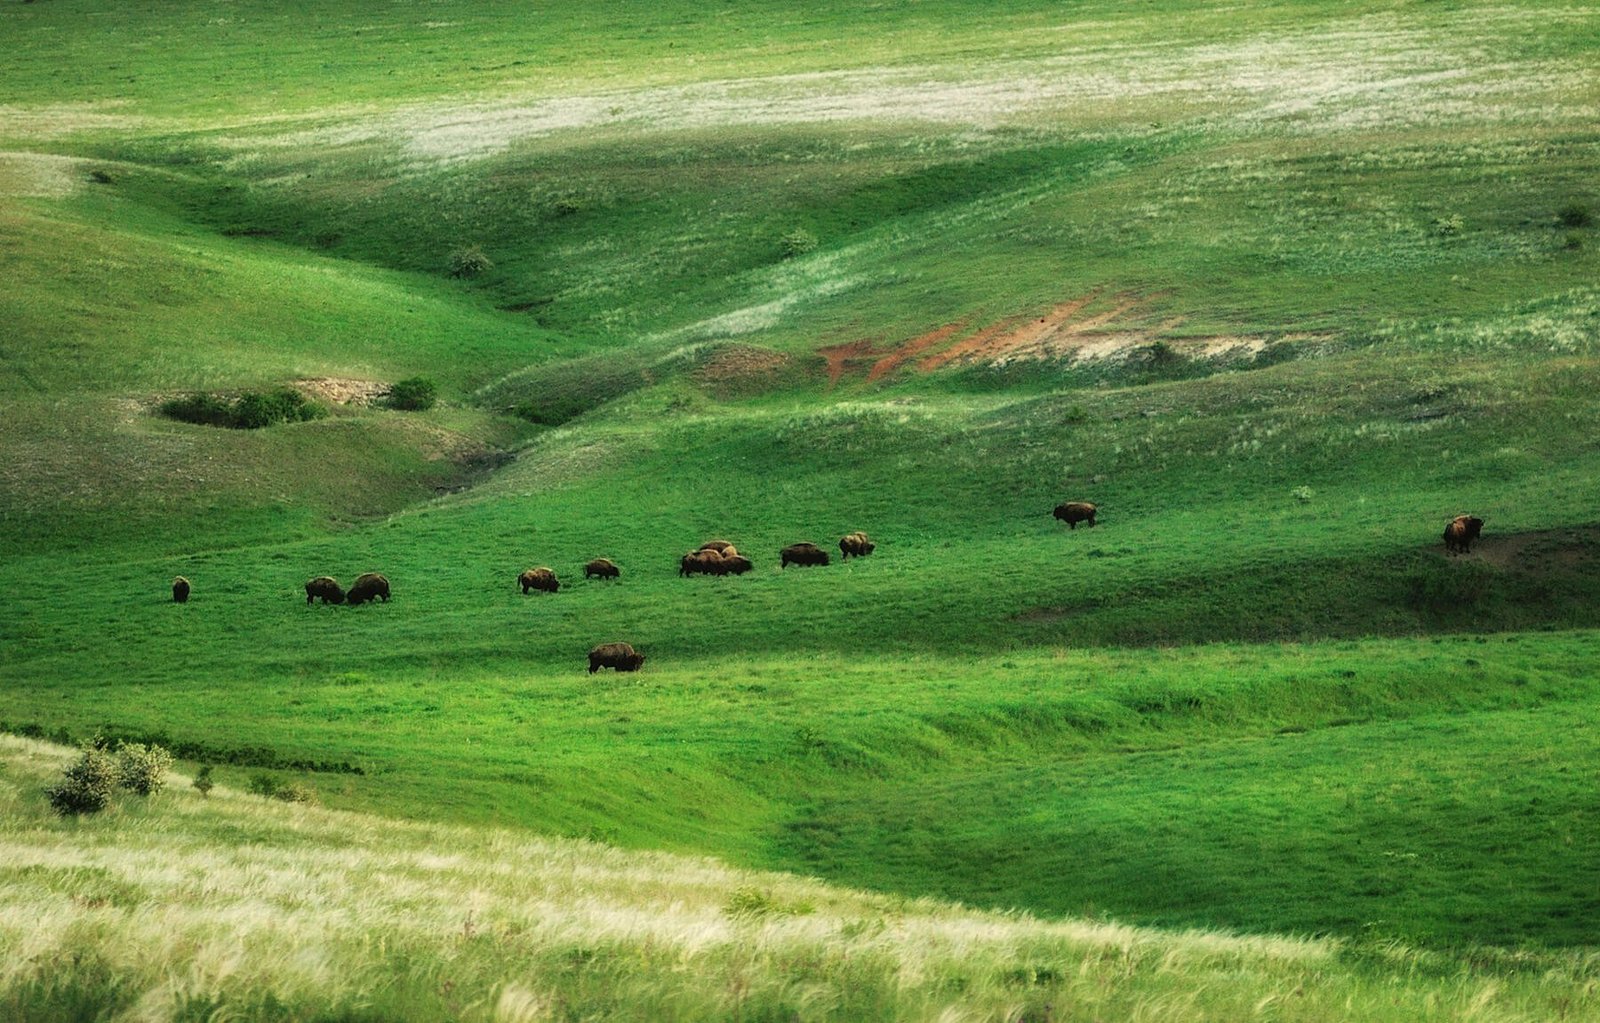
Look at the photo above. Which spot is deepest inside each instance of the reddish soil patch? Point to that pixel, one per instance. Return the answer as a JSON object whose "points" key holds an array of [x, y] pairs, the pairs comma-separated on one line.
{"points": [[841, 356], [994, 342], [911, 349]]}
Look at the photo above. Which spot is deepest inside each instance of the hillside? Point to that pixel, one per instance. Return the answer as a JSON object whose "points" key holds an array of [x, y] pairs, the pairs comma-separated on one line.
{"points": [[1280, 293], [235, 906]]}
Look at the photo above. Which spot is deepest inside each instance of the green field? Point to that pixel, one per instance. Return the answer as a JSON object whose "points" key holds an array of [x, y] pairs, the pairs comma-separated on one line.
{"points": [[1281, 292]]}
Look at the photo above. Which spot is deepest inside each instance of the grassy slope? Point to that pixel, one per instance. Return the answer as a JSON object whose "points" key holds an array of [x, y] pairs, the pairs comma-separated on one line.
{"points": [[1451, 368], [306, 914]]}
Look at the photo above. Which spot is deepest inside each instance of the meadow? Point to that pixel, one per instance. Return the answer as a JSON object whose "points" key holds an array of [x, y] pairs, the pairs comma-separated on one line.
{"points": [[1281, 294]]}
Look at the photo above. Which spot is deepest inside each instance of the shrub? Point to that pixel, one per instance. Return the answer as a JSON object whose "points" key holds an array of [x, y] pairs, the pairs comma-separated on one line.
{"points": [[142, 769], [251, 410], [262, 784], [1303, 494], [1449, 225], [797, 243], [86, 786], [295, 792], [1574, 214], [202, 780], [414, 394], [470, 261]]}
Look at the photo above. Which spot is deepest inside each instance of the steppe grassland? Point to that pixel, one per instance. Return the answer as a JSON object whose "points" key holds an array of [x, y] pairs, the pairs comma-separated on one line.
{"points": [[235, 906], [1251, 186]]}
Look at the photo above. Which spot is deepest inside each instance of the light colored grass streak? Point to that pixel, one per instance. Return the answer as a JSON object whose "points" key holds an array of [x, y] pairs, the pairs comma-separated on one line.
{"points": [[224, 901]]}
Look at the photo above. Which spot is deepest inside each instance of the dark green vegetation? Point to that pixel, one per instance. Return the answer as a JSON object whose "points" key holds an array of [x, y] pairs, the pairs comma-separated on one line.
{"points": [[1280, 294]]}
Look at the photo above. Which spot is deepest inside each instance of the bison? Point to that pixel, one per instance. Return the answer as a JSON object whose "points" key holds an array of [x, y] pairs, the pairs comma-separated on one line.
{"points": [[855, 545], [541, 579], [804, 553], [736, 564], [722, 547], [620, 656], [369, 586], [180, 590], [327, 588], [1074, 512], [604, 568], [1459, 534]]}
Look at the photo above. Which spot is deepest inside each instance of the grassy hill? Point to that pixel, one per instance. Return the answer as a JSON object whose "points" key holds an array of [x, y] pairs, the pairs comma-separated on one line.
{"points": [[179, 907], [1280, 293]]}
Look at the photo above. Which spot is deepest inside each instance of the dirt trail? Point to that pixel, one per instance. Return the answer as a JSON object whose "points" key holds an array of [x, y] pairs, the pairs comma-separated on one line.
{"points": [[1001, 338], [911, 349]]}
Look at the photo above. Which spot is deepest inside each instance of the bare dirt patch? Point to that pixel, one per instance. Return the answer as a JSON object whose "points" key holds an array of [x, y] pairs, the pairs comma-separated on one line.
{"points": [[1553, 551], [843, 357], [742, 369], [911, 349], [342, 390]]}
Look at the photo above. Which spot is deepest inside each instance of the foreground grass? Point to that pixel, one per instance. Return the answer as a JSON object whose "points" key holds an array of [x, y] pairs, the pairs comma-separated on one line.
{"points": [[237, 907]]}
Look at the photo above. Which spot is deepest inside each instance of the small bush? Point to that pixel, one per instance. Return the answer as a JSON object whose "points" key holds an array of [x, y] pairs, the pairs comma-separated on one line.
{"points": [[295, 792], [251, 410], [1449, 225], [470, 261], [413, 394], [797, 243], [142, 769], [202, 780], [1303, 494], [1574, 214], [262, 784], [86, 786], [1572, 242]]}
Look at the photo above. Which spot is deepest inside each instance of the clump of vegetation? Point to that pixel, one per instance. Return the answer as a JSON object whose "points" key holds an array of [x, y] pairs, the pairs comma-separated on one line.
{"points": [[262, 784], [251, 410], [142, 769], [295, 792], [202, 781], [797, 243], [470, 261], [413, 394], [1449, 225], [1303, 494], [86, 786], [1574, 214]]}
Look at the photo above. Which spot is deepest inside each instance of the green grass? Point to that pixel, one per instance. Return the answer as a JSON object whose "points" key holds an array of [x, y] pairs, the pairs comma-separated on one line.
{"points": [[1319, 252]]}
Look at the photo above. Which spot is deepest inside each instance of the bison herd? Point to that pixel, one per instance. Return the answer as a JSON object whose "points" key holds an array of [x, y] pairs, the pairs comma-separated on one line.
{"points": [[720, 557]]}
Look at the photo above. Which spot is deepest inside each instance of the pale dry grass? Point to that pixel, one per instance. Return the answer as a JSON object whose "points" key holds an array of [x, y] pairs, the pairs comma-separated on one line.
{"points": [[237, 903]]}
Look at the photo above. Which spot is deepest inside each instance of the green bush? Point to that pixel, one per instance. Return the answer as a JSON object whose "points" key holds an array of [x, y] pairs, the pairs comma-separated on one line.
{"points": [[295, 792], [414, 394], [470, 261], [86, 786], [142, 769], [251, 410], [797, 243], [262, 784], [1574, 214], [202, 780]]}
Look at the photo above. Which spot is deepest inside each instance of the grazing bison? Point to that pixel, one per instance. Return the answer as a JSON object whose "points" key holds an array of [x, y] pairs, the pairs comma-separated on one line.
{"points": [[704, 562], [1074, 512], [370, 586], [180, 590], [736, 564], [541, 579], [620, 656], [604, 568], [722, 547], [327, 588], [855, 545], [804, 553], [1459, 534]]}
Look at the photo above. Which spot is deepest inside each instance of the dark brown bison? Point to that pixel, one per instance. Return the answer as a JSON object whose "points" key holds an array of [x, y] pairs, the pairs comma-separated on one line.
{"points": [[620, 656], [541, 579], [722, 547], [804, 553], [1459, 534], [1074, 512], [855, 545], [180, 590], [736, 564], [327, 588], [370, 586], [604, 568]]}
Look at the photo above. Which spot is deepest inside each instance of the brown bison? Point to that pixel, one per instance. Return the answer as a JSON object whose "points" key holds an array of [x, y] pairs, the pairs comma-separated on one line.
{"points": [[1459, 534], [327, 588], [541, 579], [736, 564], [1074, 512], [620, 656], [722, 547], [803, 553], [370, 586], [855, 545], [180, 590], [604, 568], [712, 563]]}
